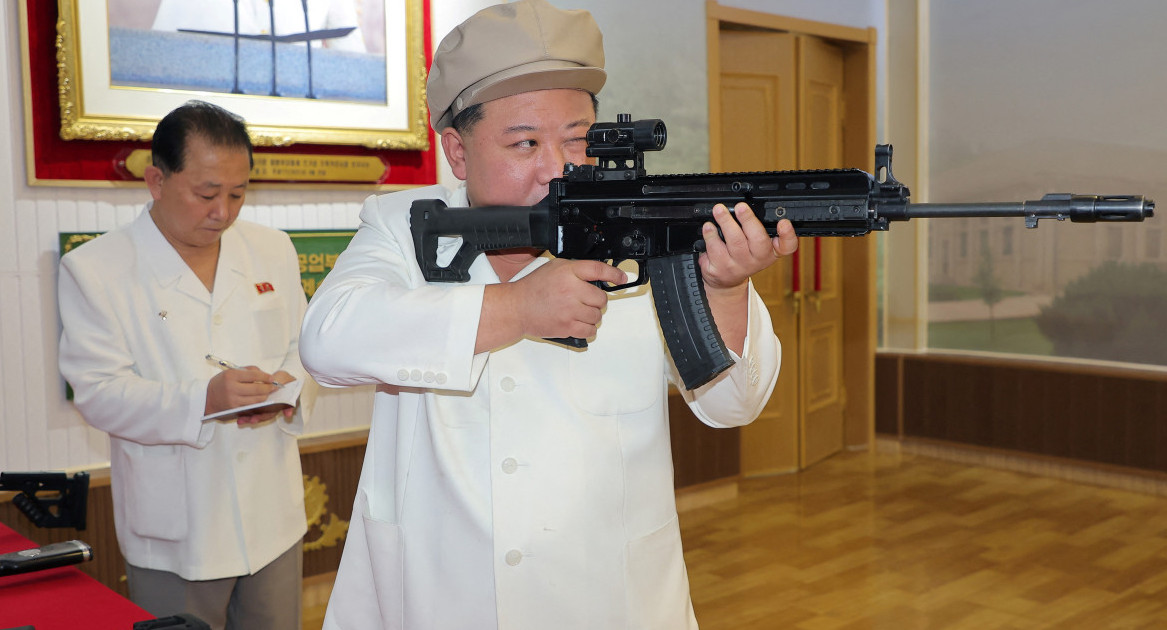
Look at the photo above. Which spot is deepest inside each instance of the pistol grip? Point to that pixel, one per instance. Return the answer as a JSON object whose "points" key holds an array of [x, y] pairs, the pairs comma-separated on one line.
{"points": [[570, 342], [574, 342]]}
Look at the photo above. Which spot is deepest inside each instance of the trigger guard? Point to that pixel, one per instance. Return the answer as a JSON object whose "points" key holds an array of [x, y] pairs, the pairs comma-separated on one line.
{"points": [[617, 287], [641, 277]]}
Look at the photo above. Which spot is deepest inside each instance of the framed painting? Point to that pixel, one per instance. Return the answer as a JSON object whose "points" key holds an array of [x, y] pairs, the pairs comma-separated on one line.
{"points": [[331, 78]]}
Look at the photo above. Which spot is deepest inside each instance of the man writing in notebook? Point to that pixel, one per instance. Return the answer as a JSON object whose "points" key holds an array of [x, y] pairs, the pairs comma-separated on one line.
{"points": [[209, 514]]}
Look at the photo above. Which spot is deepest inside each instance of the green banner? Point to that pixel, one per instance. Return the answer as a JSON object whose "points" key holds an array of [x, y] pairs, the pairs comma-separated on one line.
{"points": [[69, 240], [317, 251]]}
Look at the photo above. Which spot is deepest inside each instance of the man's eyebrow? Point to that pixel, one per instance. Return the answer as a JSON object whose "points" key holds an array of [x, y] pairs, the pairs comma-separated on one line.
{"points": [[525, 128], [519, 128], [210, 184]]}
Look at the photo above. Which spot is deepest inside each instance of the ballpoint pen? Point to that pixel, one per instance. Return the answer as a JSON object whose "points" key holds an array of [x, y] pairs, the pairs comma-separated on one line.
{"points": [[227, 365]]}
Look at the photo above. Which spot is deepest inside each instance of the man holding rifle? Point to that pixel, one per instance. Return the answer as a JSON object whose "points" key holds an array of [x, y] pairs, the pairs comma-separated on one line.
{"points": [[509, 481]]}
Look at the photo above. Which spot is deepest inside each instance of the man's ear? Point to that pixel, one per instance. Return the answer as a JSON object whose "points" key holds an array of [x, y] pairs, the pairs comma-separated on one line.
{"points": [[454, 146], [154, 177]]}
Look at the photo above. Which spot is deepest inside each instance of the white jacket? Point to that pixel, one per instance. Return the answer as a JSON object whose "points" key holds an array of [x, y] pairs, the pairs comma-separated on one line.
{"points": [[203, 500], [526, 488]]}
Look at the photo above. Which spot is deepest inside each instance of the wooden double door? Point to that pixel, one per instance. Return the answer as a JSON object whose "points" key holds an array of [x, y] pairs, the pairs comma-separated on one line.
{"points": [[782, 106]]}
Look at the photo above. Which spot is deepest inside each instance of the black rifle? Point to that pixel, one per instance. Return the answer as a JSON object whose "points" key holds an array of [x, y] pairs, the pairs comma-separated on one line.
{"points": [[614, 211], [184, 621], [67, 509], [50, 556]]}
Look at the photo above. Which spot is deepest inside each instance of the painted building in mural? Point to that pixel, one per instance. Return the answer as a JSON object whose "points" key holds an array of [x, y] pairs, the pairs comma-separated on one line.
{"points": [[1043, 260]]}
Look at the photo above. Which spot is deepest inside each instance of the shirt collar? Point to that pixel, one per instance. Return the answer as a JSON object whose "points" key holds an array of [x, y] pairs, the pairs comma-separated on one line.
{"points": [[169, 269]]}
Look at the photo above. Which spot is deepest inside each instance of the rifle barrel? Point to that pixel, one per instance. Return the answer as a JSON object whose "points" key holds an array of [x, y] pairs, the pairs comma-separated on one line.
{"points": [[1076, 208]]}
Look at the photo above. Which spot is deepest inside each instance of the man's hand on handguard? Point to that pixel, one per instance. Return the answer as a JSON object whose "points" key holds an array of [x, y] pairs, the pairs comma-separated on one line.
{"points": [[743, 249]]}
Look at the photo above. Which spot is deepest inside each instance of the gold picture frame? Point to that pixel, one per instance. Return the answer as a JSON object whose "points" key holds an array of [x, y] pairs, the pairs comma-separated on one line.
{"points": [[94, 107]]}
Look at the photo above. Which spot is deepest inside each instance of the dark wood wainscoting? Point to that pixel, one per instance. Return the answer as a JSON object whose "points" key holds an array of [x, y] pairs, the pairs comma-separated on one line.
{"points": [[337, 466], [1091, 413], [701, 453]]}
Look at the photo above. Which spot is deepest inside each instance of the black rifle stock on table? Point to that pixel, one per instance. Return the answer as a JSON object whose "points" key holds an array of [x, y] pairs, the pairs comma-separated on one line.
{"points": [[66, 509], [615, 212]]}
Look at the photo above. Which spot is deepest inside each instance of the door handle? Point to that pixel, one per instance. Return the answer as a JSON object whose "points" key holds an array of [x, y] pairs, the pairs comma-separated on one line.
{"points": [[796, 301]]}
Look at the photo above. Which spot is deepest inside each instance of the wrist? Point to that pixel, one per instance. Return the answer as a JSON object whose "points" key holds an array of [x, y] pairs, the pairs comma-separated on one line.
{"points": [[733, 292], [512, 318], [502, 319]]}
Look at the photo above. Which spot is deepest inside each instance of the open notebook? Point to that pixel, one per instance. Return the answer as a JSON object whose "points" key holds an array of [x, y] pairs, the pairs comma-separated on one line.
{"points": [[282, 398]]}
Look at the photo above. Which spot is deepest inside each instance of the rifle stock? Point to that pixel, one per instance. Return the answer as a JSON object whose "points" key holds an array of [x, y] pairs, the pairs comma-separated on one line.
{"points": [[615, 212], [66, 509]]}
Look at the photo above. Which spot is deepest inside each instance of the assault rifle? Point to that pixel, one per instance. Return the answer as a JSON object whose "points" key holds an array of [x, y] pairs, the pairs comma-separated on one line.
{"points": [[615, 212]]}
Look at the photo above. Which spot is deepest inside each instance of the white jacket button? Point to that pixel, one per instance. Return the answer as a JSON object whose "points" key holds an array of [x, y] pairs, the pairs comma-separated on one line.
{"points": [[507, 384], [514, 557], [509, 465]]}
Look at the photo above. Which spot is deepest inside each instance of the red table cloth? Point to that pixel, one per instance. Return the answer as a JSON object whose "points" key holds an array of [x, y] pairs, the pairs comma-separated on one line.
{"points": [[64, 598]]}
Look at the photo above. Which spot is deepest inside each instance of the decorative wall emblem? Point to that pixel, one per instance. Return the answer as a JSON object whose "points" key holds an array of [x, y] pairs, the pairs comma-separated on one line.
{"points": [[315, 508]]}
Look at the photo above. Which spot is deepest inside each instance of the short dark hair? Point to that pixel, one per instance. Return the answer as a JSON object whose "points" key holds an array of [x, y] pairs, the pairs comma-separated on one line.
{"points": [[216, 125], [466, 119]]}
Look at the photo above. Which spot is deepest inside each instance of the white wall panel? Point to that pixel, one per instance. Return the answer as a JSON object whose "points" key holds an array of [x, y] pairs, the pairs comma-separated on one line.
{"points": [[13, 450]]}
